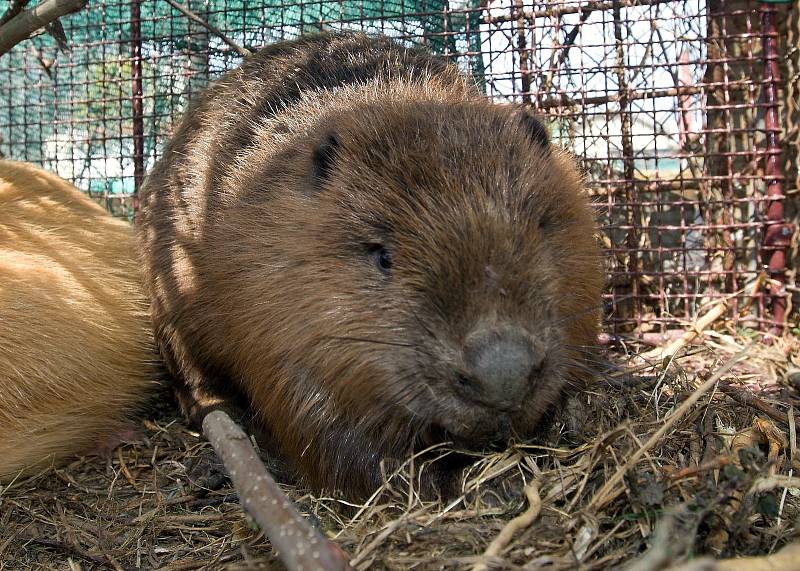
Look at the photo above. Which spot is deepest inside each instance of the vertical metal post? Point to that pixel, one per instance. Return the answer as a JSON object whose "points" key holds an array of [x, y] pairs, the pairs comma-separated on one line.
{"points": [[522, 49], [629, 170], [136, 100], [777, 234], [197, 40]]}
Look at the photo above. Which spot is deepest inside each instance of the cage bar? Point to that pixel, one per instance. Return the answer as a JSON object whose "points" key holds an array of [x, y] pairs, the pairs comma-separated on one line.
{"points": [[675, 109]]}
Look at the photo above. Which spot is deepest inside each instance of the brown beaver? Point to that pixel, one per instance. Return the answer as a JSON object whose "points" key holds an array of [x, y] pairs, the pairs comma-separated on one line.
{"points": [[346, 239], [76, 345]]}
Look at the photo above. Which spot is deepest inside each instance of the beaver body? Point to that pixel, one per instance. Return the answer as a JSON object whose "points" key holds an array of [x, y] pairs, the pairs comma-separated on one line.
{"points": [[346, 240], [76, 347]]}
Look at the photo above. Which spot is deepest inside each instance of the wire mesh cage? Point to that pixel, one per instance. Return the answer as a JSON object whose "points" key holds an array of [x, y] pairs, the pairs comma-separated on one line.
{"points": [[675, 109]]}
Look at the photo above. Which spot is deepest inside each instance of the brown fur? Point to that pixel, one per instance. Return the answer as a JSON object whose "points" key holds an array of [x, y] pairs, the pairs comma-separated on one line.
{"points": [[76, 351], [258, 225]]}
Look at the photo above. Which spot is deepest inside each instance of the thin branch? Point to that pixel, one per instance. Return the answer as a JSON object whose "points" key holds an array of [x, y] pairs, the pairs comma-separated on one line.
{"points": [[787, 559], [56, 31], [46, 64], [748, 399], [581, 7], [633, 94], [696, 330], [14, 8], [569, 41], [25, 23], [244, 52], [299, 545]]}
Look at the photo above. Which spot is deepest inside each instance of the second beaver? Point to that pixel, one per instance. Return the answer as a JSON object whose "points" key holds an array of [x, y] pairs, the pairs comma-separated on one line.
{"points": [[348, 241], [77, 358]]}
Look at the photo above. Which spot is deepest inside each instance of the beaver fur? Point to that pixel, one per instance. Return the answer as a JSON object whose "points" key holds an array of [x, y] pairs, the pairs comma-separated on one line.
{"points": [[76, 347], [346, 240]]}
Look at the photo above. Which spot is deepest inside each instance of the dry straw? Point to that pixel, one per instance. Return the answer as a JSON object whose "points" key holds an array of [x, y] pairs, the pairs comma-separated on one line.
{"points": [[656, 466]]}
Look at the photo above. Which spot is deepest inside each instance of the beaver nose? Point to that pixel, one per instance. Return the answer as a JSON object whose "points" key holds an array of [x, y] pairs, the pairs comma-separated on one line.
{"points": [[500, 363]]}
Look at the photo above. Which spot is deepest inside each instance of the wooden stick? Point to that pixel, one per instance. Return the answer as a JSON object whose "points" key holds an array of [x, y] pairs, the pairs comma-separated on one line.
{"points": [[697, 328], [299, 545], [561, 11], [244, 52], [14, 8], [748, 399], [560, 101], [689, 471], [787, 559], [771, 482], [21, 26]]}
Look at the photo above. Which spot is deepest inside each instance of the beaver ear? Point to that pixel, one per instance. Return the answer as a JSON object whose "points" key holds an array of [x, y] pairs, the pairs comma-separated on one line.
{"points": [[536, 131], [323, 157]]}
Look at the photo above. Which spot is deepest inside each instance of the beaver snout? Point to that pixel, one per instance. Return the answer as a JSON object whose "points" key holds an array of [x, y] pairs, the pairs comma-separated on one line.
{"points": [[500, 363]]}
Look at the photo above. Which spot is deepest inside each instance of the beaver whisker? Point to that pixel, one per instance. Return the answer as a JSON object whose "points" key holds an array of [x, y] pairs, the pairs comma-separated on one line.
{"points": [[589, 309], [423, 325], [593, 372], [365, 340], [589, 356], [412, 391]]}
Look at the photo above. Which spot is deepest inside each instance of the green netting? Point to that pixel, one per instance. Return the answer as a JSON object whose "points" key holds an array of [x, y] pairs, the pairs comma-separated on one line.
{"points": [[77, 118]]}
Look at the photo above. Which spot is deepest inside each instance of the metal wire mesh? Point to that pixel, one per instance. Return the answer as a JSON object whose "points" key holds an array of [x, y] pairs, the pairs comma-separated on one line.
{"points": [[668, 104]]}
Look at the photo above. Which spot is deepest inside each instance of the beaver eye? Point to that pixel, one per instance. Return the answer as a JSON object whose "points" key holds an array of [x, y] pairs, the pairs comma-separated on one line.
{"points": [[382, 257], [547, 220]]}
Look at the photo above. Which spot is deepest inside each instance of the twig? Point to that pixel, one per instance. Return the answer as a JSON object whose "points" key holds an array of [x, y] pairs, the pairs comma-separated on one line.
{"points": [[21, 26], [563, 10], [14, 8], [244, 52], [56, 30], [689, 471], [123, 467], [758, 284], [771, 482], [611, 488], [515, 525], [46, 64], [787, 559], [751, 400], [696, 329], [564, 49], [299, 545], [630, 95]]}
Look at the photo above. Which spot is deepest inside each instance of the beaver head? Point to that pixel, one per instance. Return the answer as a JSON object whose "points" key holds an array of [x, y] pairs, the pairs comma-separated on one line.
{"points": [[414, 271]]}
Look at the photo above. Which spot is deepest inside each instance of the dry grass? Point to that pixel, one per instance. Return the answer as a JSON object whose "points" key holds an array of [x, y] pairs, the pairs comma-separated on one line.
{"points": [[607, 489]]}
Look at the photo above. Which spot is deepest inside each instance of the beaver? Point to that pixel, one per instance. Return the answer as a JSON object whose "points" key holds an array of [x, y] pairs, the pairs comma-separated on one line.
{"points": [[349, 245], [77, 355]]}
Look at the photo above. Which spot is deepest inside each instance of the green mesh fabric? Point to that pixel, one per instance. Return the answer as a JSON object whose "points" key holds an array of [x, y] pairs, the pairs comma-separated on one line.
{"points": [[76, 117]]}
